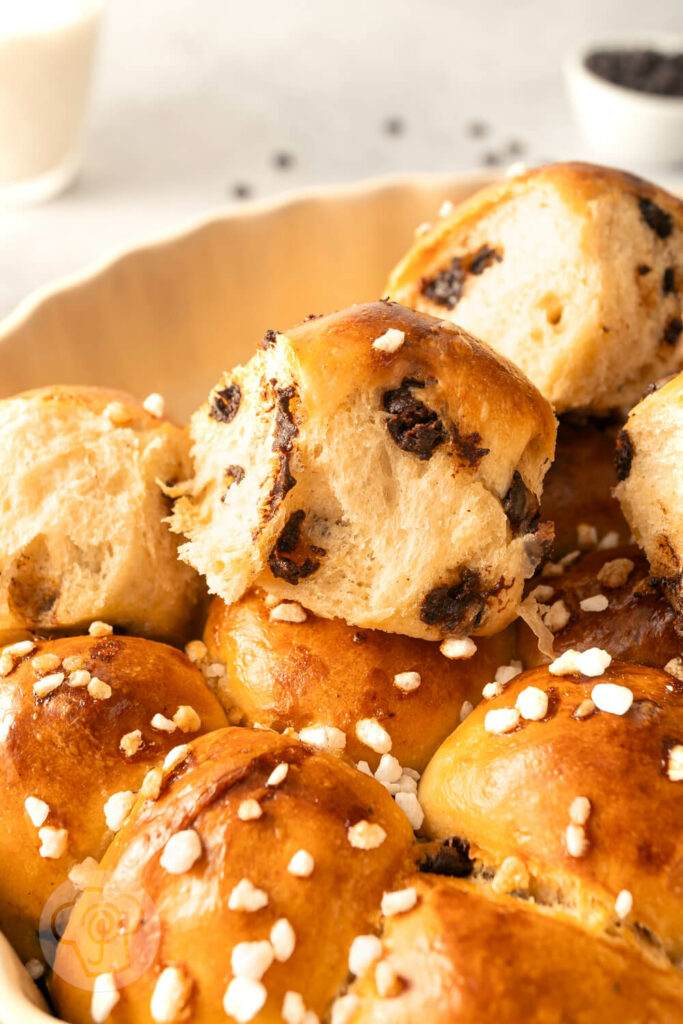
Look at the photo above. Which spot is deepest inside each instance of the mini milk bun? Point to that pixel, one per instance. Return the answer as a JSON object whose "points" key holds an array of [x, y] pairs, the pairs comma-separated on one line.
{"points": [[463, 955], [577, 777], [82, 721], [322, 672], [283, 857]]}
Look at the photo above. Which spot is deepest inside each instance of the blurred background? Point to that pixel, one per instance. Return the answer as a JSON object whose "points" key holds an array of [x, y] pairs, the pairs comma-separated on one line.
{"points": [[199, 103]]}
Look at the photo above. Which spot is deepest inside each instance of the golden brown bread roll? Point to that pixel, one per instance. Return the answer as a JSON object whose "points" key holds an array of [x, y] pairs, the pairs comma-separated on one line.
{"points": [[463, 955], [650, 489], [586, 800], [577, 490], [375, 465], [250, 818], [636, 624], [323, 672], [78, 727], [82, 535], [569, 270]]}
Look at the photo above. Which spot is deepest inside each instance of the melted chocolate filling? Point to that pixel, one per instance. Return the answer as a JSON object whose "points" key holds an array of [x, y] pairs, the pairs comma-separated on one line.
{"points": [[286, 568], [285, 427]]}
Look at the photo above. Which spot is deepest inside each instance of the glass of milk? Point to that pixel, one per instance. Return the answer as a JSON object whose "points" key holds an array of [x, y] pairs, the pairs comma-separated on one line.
{"points": [[47, 50]]}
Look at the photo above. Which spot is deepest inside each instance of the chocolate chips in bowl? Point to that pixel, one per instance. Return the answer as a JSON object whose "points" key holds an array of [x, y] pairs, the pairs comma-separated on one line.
{"points": [[627, 98], [645, 70]]}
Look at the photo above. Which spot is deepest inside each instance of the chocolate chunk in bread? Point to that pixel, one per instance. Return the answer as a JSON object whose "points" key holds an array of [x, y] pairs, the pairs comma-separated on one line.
{"points": [[447, 287], [521, 505], [655, 217], [225, 404], [414, 427], [623, 455]]}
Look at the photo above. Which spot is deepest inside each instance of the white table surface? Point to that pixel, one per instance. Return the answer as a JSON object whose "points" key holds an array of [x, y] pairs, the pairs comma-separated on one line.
{"points": [[194, 98]]}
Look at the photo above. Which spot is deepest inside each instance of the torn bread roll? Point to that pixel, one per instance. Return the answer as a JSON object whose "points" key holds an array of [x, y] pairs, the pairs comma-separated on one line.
{"points": [[649, 460], [82, 531], [572, 271], [375, 465]]}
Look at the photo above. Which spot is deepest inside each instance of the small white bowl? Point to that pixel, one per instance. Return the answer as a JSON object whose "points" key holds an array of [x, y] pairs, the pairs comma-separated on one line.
{"points": [[623, 125]]}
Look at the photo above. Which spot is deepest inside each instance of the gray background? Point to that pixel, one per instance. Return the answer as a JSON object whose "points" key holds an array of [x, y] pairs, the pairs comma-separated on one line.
{"points": [[194, 98]]}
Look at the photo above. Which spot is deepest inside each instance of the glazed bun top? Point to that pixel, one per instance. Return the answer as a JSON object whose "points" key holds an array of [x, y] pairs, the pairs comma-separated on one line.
{"points": [[383, 409], [380, 693], [82, 721], [283, 857], [606, 599], [577, 779], [569, 270], [462, 955], [650, 490], [82, 534]]}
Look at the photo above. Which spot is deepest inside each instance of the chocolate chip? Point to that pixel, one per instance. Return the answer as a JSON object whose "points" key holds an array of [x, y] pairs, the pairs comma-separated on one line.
{"points": [[450, 606], [235, 473], [285, 427], [451, 859], [268, 340], [623, 456], [466, 446], [521, 505], [669, 282], [226, 403], [241, 190], [394, 126], [289, 538], [483, 259], [289, 569], [655, 217], [283, 160], [447, 287], [413, 426], [491, 159], [643, 269], [359, 638], [477, 129], [672, 331], [538, 545]]}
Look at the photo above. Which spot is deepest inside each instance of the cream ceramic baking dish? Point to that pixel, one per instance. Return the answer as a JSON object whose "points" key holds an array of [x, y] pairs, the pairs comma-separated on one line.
{"points": [[170, 314]]}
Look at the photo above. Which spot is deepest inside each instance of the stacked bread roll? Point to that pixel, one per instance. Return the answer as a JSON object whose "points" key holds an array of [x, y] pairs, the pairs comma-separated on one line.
{"points": [[424, 761]]}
